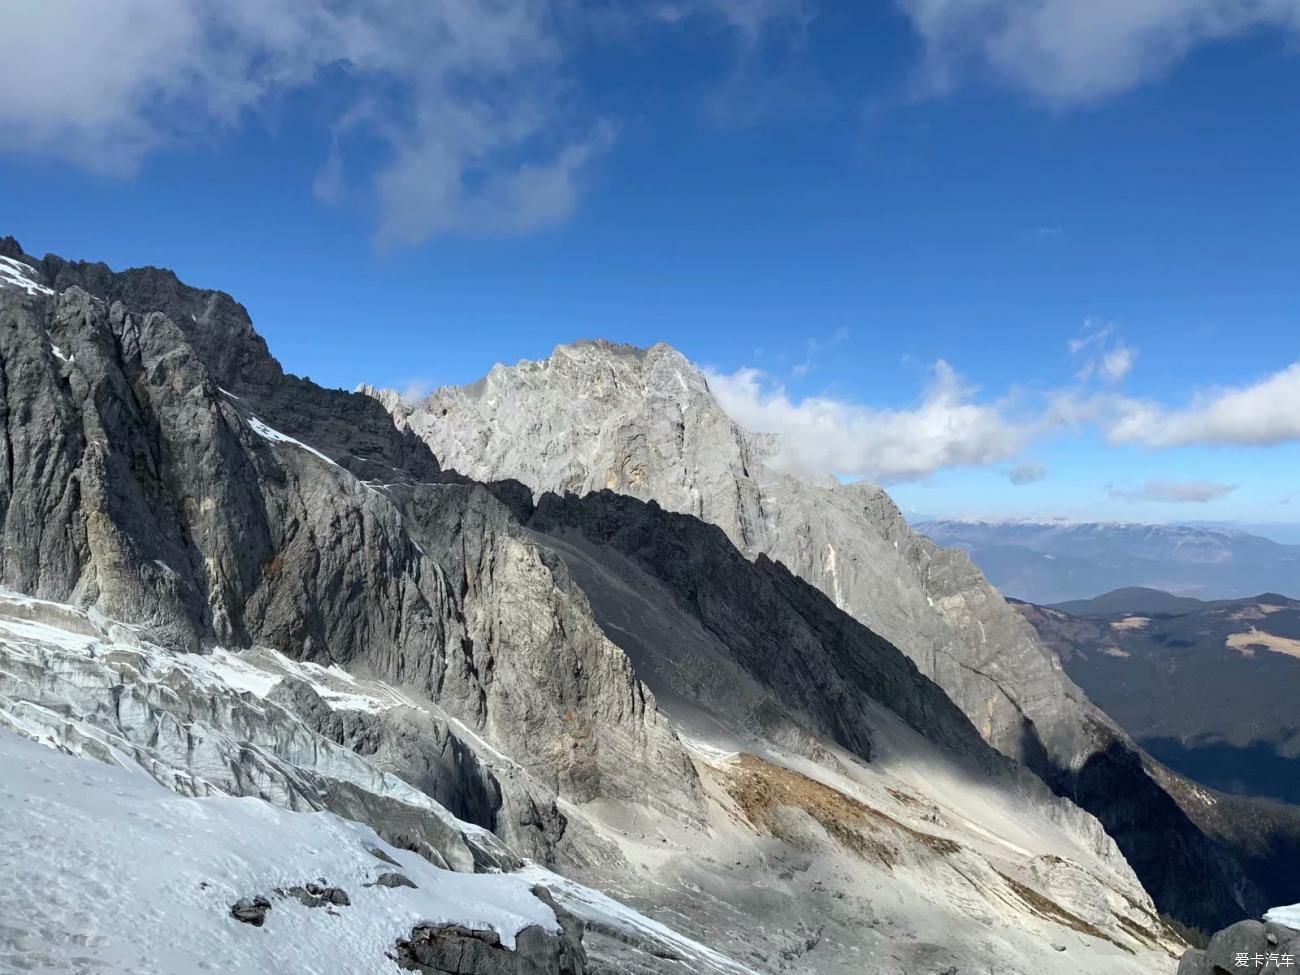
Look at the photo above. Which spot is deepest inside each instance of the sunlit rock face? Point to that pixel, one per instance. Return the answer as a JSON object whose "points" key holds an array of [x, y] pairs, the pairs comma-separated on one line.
{"points": [[596, 416], [245, 584]]}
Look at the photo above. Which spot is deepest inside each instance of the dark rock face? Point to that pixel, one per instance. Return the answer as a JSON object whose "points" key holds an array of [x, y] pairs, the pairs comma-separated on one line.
{"points": [[451, 949], [1182, 868], [251, 910], [825, 669], [422, 751], [646, 425], [222, 336], [818, 661], [161, 467]]}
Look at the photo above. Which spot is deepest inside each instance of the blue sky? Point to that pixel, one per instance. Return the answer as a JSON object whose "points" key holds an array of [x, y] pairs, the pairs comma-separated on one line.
{"points": [[1010, 257]]}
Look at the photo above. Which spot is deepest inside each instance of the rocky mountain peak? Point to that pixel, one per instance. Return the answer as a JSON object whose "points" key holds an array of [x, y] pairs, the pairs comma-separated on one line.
{"points": [[596, 416], [599, 415], [9, 247], [615, 373]]}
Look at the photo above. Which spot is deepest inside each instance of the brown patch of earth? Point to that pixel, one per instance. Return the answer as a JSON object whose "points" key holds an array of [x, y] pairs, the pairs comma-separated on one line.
{"points": [[761, 788], [1131, 623], [1253, 639]]}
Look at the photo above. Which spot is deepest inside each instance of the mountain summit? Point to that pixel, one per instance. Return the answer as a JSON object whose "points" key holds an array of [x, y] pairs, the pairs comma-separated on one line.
{"points": [[597, 416]]}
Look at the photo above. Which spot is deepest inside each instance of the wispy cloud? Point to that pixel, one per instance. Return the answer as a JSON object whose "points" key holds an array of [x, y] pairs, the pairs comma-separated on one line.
{"points": [[1116, 363], [1174, 492], [814, 348], [1070, 52], [416, 390], [948, 427], [473, 101], [1104, 357], [1094, 332]]}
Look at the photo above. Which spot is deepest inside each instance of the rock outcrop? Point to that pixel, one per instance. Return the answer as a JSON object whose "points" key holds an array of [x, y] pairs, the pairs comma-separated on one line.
{"points": [[453, 949], [1247, 946]]}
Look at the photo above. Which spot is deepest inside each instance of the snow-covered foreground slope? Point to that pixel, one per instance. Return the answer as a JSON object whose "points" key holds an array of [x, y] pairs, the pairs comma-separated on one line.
{"points": [[214, 727], [816, 864], [105, 870], [1290, 916]]}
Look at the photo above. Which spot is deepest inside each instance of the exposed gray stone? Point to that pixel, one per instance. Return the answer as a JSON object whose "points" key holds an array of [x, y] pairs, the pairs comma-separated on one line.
{"points": [[318, 894], [379, 854], [492, 616], [452, 949], [251, 910], [644, 423], [1194, 962], [393, 880], [1247, 946], [134, 480]]}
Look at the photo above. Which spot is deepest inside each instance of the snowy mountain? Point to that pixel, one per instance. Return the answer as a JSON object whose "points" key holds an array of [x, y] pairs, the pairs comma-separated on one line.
{"points": [[597, 417], [1055, 561], [275, 603]]}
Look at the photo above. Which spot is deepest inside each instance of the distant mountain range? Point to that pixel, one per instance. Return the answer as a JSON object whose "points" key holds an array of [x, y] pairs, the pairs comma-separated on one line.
{"points": [[1207, 688], [1053, 561]]}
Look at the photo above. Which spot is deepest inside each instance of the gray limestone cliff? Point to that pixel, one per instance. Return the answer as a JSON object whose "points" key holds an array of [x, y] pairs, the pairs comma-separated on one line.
{"points": [[598, 416], [160, 470]]}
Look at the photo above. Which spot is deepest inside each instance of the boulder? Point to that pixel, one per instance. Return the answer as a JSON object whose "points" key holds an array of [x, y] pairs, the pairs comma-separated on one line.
{"points": [[317, 894], [453, 949], [250, 910], [393, 879]]}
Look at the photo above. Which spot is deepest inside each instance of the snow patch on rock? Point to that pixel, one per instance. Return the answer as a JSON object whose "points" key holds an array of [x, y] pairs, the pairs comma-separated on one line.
{"points": [[275, 436], [16, 274], [1287, 916]]}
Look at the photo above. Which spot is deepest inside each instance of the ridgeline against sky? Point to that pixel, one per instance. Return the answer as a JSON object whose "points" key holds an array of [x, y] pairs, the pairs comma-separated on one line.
{"points": [[1008, 258]]}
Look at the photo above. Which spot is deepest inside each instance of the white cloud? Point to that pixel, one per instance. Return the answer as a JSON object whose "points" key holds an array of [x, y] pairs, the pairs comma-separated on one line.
{"points": [[1264, 412], [1116, 363], [1093, 332], [1175, 492], [471, 101], [752, 18], [1107, 359], [416, 391], [1074, 51], [951, 426], [821, 435]]}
